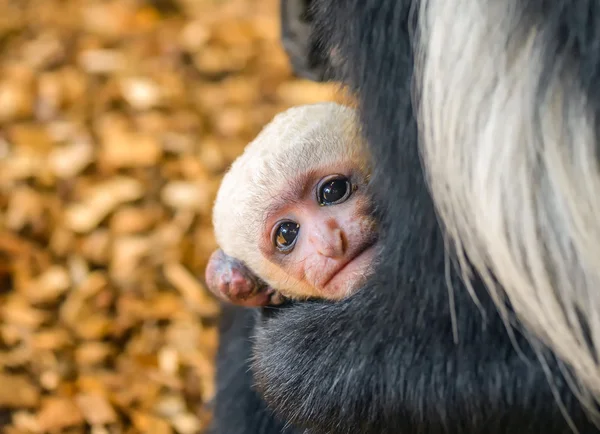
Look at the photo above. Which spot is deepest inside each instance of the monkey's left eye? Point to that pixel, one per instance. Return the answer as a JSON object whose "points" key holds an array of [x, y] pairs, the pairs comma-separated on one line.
{"points": [[285, 235], [334, 190]]}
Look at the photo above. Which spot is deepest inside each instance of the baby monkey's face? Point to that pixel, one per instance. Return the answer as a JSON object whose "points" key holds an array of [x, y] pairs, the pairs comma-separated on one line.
{"points": [[319, 234]]}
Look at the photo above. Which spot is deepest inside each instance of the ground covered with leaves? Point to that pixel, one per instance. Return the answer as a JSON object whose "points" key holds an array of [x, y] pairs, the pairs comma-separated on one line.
{"points": [[117, 120]]}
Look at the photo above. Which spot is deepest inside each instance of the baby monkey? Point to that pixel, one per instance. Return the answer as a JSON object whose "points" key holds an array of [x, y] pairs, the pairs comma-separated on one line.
{"points": [[292, 216]]}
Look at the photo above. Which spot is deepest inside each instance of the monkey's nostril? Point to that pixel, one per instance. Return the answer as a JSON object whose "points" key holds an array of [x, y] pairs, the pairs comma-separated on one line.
{"points": [[343, 242], [332, 224]]}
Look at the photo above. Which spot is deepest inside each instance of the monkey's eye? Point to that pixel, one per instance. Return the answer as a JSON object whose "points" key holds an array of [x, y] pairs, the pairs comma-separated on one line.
{"points": [[285, 235], [334, 190]]}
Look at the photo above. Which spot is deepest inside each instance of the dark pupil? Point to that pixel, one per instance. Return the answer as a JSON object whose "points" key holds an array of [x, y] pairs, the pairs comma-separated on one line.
{"points": [[287, 233], [333, 190]]}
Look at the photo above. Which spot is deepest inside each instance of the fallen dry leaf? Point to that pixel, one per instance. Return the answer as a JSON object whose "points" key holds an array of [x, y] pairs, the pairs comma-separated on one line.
{"points": [[17, 391], [96, 409], [58, 413]]}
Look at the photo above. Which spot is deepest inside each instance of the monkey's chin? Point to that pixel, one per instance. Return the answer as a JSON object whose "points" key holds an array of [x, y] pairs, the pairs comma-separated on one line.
{"points": [[351, 276]]}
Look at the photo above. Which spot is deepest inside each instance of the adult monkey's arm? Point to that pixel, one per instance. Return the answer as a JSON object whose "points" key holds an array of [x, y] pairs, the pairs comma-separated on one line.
{"points": [[238, 408]]}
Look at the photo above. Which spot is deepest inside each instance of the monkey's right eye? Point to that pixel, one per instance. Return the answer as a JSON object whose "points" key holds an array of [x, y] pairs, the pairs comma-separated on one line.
{"points": [[285, 235], [334, 190]]}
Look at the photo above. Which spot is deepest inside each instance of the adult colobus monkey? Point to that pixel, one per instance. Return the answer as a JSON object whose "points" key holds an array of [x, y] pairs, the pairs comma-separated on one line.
{"points": [[482, 118]]}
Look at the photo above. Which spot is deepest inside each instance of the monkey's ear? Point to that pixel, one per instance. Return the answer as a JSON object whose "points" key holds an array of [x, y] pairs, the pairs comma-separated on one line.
{"points": [[231, 280], [308, 59]]}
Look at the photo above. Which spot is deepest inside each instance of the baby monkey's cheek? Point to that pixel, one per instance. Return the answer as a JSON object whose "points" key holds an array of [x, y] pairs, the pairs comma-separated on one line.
{"points": [[363, 206], [360, 229], [368, 227]]}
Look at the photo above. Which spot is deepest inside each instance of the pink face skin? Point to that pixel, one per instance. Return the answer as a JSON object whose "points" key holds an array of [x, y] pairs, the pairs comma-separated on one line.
{"points": [[333, 248]]}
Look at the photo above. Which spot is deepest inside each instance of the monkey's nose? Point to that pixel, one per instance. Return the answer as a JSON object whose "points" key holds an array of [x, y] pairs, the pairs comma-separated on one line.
{"points": [[330, 243]]}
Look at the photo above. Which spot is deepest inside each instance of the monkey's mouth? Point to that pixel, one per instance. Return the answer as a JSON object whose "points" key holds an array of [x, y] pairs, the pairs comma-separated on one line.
{"points": [[349, 274]]}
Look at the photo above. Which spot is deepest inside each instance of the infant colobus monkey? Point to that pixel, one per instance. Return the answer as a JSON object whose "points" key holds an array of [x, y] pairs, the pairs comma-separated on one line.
{"points": [[292, 216]]}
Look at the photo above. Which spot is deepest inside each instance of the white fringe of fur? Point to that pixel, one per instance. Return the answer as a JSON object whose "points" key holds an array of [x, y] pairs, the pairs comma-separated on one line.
{"points": [[513, 170]]}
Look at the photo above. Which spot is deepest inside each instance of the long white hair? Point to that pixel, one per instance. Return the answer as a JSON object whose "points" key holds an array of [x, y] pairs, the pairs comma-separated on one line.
{"points": [[511, 152]]}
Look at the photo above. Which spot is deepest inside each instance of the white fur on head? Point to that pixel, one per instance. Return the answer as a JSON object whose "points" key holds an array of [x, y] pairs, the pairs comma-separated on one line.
{"points": [[510, 146], [294, 142]]}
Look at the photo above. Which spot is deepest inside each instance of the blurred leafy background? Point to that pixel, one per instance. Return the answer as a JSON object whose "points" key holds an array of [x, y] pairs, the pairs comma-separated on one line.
{"points": [[117, 120]]}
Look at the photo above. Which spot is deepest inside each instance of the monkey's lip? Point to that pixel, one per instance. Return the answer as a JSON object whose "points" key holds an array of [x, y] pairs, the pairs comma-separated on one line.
{"points": [[349, 271]]}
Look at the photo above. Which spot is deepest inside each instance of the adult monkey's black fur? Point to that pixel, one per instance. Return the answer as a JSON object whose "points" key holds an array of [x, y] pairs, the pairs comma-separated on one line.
{"points": [[386, 361]]}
